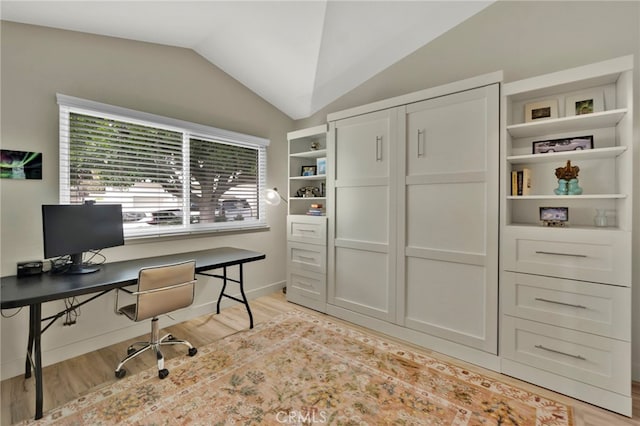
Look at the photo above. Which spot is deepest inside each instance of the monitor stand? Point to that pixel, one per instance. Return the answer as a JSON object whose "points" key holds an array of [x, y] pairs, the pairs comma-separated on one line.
{"points": [[77, 267]]}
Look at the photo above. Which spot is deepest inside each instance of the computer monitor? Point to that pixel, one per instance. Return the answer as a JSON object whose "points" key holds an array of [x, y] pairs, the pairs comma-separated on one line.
{"points": [[76, 228]]}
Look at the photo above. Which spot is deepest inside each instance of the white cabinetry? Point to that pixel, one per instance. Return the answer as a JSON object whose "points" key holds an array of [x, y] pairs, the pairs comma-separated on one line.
{"points": [[450, 229], [565, 292], [362, 260], [413, 217], [307, 232]]}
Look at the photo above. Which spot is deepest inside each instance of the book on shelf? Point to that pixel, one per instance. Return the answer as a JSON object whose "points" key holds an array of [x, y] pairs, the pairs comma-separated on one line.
{"points": [[315, 209], [521, 182]]}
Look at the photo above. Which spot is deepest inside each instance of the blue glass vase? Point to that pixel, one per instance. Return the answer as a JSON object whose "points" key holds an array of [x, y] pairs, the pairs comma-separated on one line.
{"points": [[573, 187], [562, 188]]}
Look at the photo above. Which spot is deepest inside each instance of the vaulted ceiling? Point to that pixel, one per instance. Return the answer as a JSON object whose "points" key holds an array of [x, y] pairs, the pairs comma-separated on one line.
{"points": [[297, 55]]}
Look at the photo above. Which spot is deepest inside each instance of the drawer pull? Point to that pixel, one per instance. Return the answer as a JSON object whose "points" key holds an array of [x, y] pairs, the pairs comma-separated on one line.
{"points": [[561, 353], [561, 254], [306, 257], [560, 303], [303, 284], [306, 230]]}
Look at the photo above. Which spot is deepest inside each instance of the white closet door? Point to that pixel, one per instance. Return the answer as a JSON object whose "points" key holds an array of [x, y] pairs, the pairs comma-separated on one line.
{"points": [[362, 227], [449, 229]]}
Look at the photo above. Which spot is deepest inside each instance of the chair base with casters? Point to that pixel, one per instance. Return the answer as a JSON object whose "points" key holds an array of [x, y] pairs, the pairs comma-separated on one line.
{"points": [[153, 344], [161, 289]]}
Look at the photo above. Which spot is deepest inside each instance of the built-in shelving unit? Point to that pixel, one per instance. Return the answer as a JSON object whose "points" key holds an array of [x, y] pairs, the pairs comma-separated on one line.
{"points": [[565, 291], [307, 222], [306, 148]]}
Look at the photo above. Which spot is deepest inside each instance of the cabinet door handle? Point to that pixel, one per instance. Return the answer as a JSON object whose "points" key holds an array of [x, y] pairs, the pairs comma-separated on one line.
{"points": [[378, 148], [421, 145], [580, 357], [560, 303], [561, 254]]}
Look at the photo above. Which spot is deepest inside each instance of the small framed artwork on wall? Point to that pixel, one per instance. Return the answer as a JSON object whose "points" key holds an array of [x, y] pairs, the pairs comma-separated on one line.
{"points": [[542, 110], [20, 164]]}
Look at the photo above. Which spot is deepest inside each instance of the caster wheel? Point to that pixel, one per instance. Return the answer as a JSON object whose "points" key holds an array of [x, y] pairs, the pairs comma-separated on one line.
{"points": [[193, 351], [121, 373], [171, 337], [130, 350], [163, 373]]}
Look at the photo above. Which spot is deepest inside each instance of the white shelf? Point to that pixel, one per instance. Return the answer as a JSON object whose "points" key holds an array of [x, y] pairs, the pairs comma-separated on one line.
{"points": [[314, 177], [318, 153], [587, 154], [307, 198], [577, 123], [567, 197]]}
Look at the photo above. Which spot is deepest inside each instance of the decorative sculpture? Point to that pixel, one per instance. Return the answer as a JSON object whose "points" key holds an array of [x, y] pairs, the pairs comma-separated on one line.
{"points": [[568, 180]]}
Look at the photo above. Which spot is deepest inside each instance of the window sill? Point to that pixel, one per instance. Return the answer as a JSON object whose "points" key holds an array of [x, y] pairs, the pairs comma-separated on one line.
{"points": [[184, 234]]}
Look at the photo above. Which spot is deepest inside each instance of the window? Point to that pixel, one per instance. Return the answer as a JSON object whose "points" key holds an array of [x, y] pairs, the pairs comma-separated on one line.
{"points": [[171, 176]]}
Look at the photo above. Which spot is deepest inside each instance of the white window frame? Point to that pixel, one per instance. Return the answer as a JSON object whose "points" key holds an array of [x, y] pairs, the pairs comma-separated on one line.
{"points": [[69, 104]]}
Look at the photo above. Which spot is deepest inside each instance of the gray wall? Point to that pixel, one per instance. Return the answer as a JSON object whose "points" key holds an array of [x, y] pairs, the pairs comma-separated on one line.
{"points": [[36, 63], [524, 39]]}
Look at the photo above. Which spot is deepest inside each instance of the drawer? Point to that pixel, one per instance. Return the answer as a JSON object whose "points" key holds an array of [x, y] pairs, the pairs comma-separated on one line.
{"points": [[308, 289], [587, 358], [581, 254], [311, 284], [307, 257], [593, 308], [307, 229]]}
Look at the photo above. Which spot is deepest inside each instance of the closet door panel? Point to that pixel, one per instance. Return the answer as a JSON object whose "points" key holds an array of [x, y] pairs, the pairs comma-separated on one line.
{"points": [[446, 296], [362, 148], [362, 230], [360, 218], [451, 210], [439, 132], [454, 222], [364, 285]]}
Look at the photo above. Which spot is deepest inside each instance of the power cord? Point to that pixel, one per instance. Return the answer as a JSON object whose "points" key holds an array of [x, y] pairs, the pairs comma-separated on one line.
{"points": [[73, 312]]}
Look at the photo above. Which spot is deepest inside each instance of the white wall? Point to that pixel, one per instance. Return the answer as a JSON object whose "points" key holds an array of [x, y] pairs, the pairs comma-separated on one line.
{"points": [[38, 62], [524, 39]]}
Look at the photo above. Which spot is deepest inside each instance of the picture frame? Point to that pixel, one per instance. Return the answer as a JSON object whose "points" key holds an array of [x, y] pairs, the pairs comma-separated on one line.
{"points": [[554, 213], [308, 171], [541, 110], [554, 216], [585, 102], [20, 164], [576, 143], [321, 166]]}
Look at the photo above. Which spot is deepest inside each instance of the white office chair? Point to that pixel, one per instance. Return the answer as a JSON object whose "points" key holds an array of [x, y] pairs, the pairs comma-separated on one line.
{"points": [[161, 289]]}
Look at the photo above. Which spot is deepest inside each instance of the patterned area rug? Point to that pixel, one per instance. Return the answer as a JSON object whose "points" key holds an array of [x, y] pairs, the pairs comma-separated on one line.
{"points": [[304, 369]]}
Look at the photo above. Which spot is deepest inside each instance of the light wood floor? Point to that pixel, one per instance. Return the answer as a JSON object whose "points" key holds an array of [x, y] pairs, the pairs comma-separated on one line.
{"points": [[72, 378]]}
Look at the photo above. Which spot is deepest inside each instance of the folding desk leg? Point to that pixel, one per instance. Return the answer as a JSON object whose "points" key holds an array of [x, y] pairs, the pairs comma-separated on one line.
{"points": [[244, 297], [36, 356], [224, 287]]}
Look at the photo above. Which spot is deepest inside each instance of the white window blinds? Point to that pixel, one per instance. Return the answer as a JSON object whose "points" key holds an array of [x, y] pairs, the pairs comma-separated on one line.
{"points": [[168, 178]]}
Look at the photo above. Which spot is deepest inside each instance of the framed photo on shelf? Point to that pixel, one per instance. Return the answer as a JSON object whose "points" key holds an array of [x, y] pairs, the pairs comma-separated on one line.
{"points": [[541, 110], [585, 102], [554, 216], [321, 165], [308, 171], [562, 145]]}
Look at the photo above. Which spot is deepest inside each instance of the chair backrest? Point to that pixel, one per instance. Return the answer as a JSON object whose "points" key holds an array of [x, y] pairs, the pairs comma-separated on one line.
{"points": [[163, 289]]}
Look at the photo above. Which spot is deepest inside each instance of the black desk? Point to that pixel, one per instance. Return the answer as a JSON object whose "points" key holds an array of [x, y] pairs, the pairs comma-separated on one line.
{"points": [[33, 291]]}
